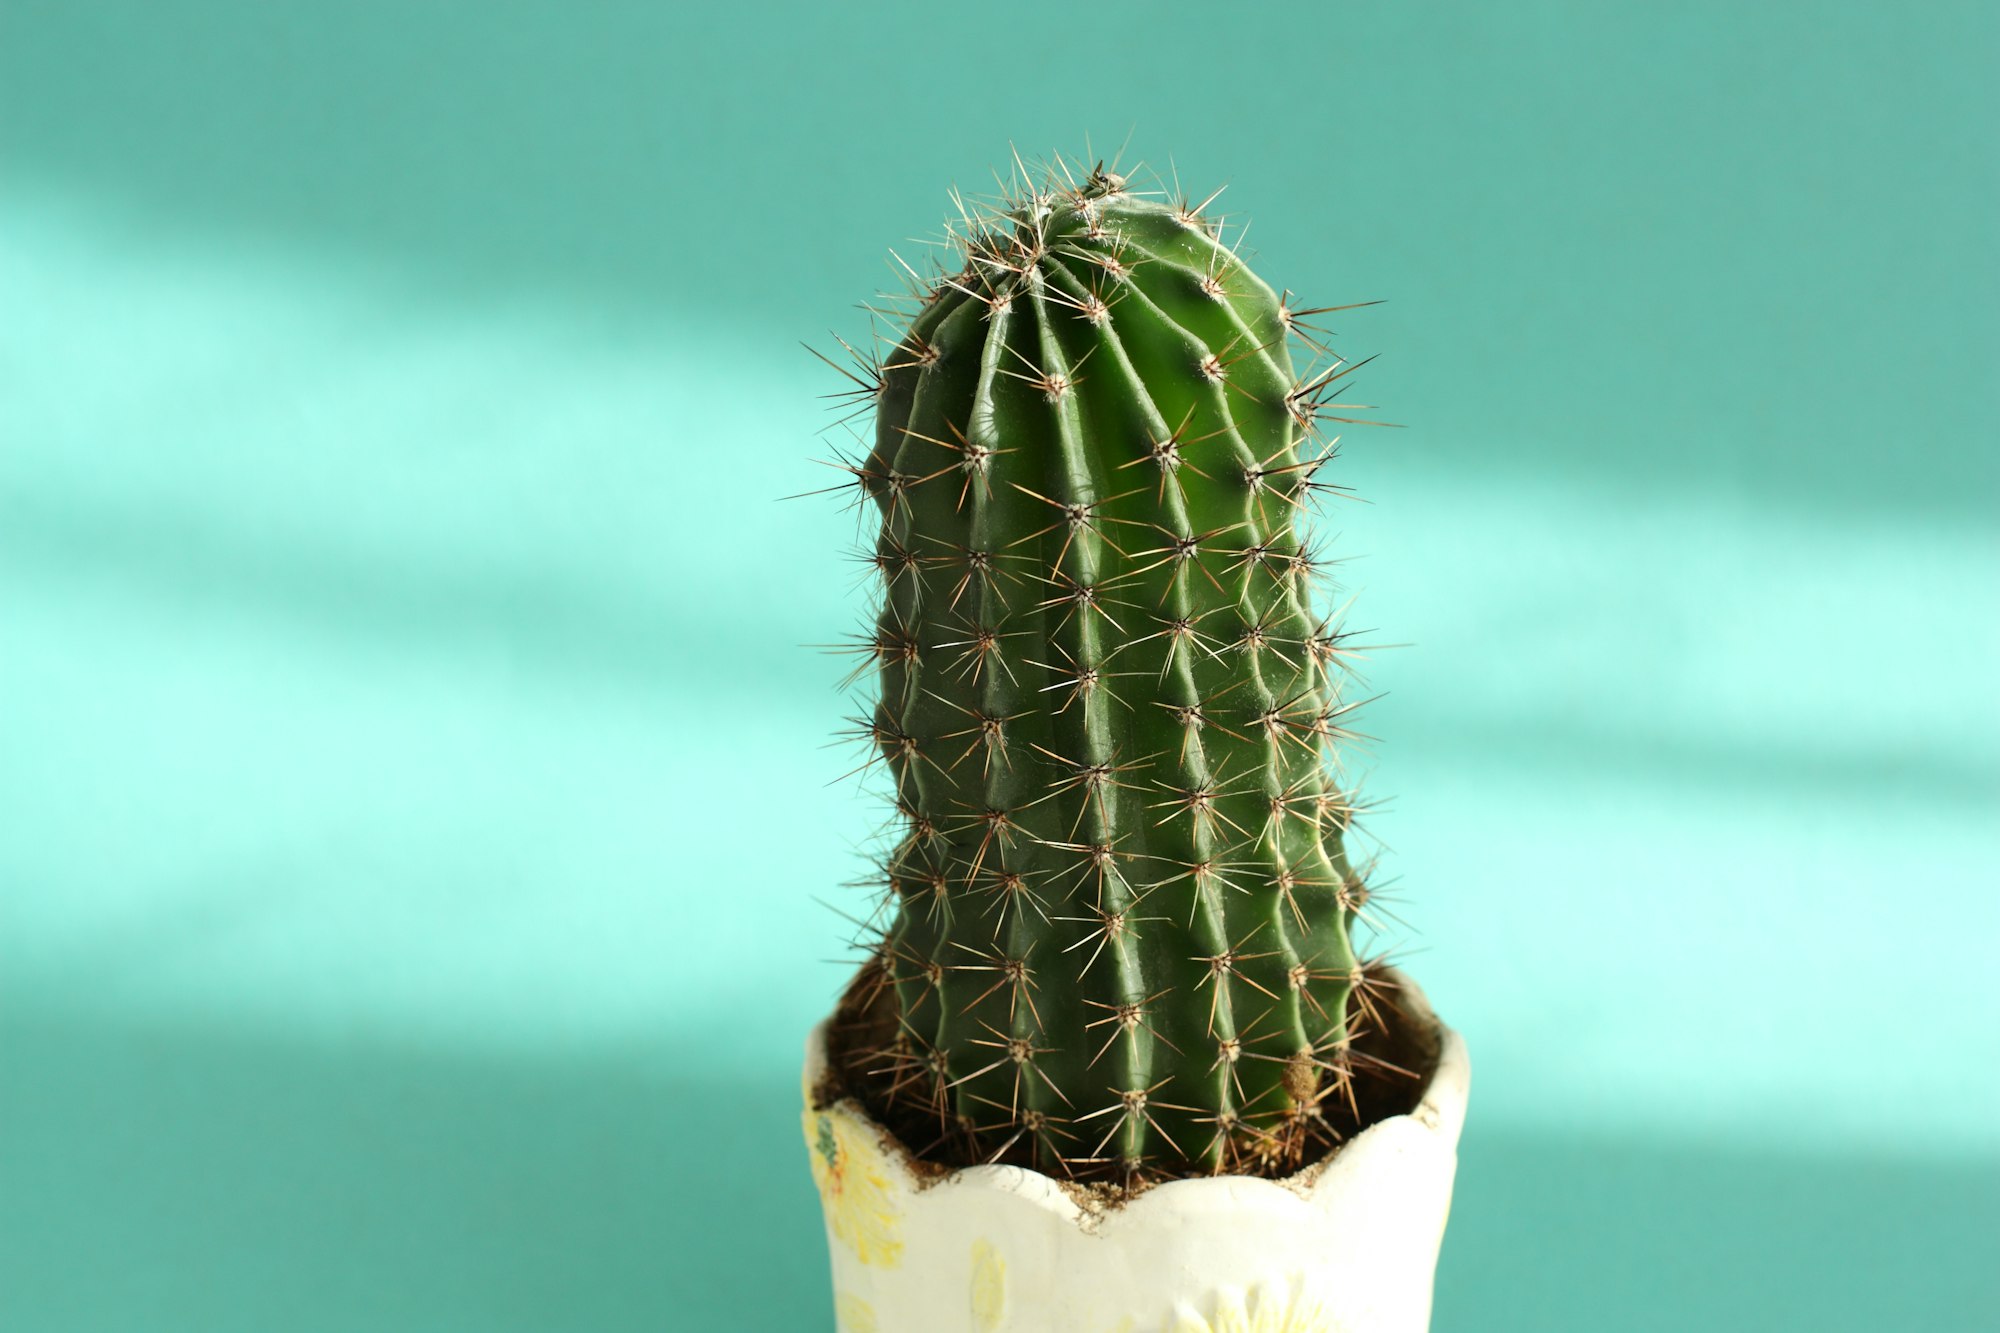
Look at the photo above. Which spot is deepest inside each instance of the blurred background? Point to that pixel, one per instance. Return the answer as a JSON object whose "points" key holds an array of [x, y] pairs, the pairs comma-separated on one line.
{"points": [[420, 855]]}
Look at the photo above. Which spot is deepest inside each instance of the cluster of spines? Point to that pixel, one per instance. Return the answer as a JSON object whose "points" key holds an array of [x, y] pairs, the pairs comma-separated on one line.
{"points": [[1115, 935]]}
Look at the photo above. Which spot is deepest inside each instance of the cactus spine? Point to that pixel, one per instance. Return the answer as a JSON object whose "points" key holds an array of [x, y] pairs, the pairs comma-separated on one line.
{"points": [[1118, 910]]}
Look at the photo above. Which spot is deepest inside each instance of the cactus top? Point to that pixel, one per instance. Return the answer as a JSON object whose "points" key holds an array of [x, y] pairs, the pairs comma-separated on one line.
{"points": [[1118, 905]]}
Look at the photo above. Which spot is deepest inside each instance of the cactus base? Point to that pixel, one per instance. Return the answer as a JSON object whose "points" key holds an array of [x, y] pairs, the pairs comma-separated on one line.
{"points": [[1349, 1242]]}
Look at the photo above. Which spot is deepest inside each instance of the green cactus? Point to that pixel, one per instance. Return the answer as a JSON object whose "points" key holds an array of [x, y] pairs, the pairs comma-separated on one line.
{"points": [[1118, 910]]}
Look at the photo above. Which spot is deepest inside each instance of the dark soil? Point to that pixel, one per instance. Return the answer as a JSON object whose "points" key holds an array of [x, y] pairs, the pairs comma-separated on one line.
{"points": [[1390, 1063]]}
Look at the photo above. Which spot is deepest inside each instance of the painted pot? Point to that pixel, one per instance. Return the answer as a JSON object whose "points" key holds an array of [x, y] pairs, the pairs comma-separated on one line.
{"points": [[1348, 1244]]}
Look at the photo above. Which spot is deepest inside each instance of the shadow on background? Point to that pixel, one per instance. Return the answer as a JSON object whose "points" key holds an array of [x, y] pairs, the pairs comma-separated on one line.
{"points": [[1613, 241], [631, 631], [180, 1180], [1554, 1234], [525, 143]]}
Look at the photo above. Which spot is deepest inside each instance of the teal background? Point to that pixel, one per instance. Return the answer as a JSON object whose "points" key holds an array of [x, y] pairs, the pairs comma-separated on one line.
{"points": [[419, 860]]}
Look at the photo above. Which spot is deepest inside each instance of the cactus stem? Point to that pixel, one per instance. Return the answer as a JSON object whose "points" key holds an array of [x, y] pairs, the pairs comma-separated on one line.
{"points": [[1027, 610]]}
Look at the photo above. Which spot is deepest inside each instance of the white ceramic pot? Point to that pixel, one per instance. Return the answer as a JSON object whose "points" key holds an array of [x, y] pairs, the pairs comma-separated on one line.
{"points": [[1346, 1245]]}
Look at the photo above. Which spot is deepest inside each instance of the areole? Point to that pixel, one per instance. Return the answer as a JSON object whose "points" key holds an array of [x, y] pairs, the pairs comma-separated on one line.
{"points": [[1349, 1244]]}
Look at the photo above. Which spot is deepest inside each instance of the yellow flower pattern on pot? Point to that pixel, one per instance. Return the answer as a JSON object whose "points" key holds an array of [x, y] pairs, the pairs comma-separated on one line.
{"points": [[851, 1314], [1273, 1307], [989, 1287], [848, 1168]]}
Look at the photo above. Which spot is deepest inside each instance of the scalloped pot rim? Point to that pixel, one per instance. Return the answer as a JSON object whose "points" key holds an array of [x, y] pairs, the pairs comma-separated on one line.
{"points": [[1348, 1244]]}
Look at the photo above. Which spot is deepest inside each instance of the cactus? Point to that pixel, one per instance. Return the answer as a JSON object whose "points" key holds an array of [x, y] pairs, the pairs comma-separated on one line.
{"points": [[1115, 939]]}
